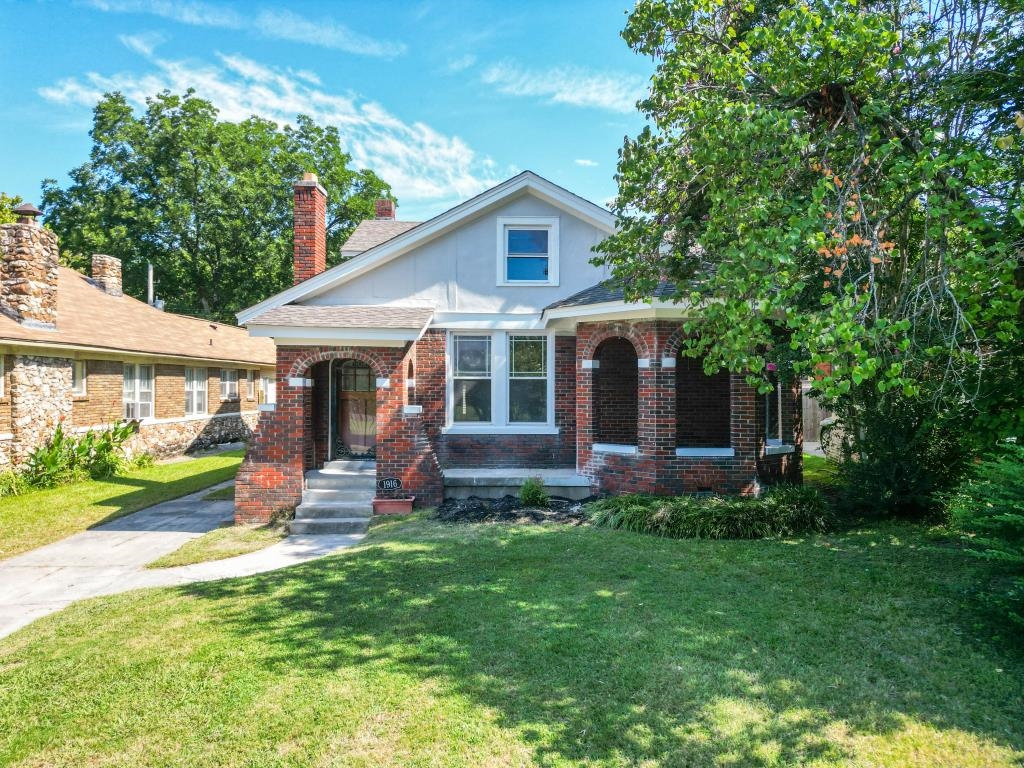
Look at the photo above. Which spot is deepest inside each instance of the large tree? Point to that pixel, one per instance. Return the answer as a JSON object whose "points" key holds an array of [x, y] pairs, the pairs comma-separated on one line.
{"points": [[833, 183], [207, 202], [7, 205]]}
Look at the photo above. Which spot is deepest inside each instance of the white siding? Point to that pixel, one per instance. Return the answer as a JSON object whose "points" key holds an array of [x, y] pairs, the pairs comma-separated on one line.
{"points": [[457, 271]]}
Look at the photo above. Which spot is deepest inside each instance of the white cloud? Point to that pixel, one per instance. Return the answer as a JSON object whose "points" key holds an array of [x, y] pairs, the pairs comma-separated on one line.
{"points": [[280, 25], [586, 163], [568, 85], [143, 44], [460, 63], [428, 170]]}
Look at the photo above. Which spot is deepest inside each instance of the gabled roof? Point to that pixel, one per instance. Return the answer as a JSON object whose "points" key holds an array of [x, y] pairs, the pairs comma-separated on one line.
{"points": [[607, 291], [350, 316], [372, 232], [527, 181], [90, 319]]}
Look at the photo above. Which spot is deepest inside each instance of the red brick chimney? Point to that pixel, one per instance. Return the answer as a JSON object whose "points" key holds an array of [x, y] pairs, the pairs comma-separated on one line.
{"points": [[385, 209], [310, 228]]}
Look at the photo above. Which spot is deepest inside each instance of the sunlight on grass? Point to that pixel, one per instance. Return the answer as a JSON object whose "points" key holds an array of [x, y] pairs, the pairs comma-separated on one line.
{"points": [[222, 543], [40, 517], [451, 645], [227, 493]]}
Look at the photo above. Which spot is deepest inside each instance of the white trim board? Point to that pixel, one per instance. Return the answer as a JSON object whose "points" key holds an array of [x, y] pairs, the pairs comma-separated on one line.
{"points": [[527, 181]]}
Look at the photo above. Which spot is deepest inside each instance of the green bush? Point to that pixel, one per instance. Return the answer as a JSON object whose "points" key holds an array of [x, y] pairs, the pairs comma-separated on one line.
{"points": [[782, 511], [11, 483], [65, 458], [532, 493], [988, 507]]}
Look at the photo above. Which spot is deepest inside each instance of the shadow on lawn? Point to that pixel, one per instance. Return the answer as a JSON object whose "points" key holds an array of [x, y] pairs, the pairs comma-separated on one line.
{"points": [[610, 646]]}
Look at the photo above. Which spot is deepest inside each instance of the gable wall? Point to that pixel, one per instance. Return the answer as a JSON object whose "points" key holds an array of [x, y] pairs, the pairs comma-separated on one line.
{"points": [[458, 271]]}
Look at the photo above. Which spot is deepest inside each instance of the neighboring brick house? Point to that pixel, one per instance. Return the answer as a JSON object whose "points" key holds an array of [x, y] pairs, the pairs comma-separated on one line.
{"points": [[75, 351], [484, 343]]}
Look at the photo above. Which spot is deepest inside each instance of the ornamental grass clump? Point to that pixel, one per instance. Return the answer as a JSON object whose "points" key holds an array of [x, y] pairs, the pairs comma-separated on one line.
{"points": [[782, 511]]}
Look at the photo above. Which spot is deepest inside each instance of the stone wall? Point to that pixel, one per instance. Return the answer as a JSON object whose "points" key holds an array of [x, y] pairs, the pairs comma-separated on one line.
{"points": [[162, 439], [40, 400]]}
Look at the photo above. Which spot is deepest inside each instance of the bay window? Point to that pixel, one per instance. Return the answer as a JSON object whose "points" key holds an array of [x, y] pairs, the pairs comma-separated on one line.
{"points": [[500, 381], [137, 391]]}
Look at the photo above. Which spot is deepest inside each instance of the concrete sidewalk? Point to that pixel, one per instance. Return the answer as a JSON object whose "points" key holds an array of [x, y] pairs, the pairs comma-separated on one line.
{"points": [[111, 558]]}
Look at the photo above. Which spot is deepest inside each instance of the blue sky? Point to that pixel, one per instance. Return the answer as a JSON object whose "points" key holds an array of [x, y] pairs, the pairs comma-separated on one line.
{"points": [[440, 98]]}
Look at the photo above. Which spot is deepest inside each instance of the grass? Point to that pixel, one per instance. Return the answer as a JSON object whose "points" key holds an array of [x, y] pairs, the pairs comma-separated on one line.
{"points": [[227, 493], [495, 645], [819, 472], [221, 543], [40, 517]]}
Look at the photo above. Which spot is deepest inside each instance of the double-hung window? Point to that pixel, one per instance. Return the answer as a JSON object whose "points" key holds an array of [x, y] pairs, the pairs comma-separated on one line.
{"points": [[527, 379], [251, 381], [528, 250], [78, 378], [500, 381], [773, 412], [471, 379], [228, 384], [137, 391], [269, 389], [195, 391]]}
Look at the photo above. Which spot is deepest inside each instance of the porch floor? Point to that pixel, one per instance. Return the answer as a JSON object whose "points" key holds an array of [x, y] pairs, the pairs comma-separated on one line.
{"points": [[495, 482]]}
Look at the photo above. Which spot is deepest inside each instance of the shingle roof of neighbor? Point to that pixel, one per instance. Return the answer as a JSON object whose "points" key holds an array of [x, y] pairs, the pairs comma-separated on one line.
{"points": [[608, 290], [372, 232], [352, 316], [89, 317]]}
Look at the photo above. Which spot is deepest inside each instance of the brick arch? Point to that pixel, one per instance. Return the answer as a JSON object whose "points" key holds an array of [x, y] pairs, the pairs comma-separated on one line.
{"points": [[617, 330], [304, 363], [674, 342]]}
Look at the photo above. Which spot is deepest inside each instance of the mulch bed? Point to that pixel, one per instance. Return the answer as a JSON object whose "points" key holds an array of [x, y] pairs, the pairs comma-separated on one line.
{"points": [[509, 509]]}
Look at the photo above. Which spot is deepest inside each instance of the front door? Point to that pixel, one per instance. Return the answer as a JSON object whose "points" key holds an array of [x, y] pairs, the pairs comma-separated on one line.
{"points": [[357, 411]]}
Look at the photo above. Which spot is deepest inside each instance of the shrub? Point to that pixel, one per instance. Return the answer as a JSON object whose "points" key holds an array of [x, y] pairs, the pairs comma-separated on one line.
{"points": [[64, 458], [11, 483], [988, 507], [782, 511], [532, 494]]}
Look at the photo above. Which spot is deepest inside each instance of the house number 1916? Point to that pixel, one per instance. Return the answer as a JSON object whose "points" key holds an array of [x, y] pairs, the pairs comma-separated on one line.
{"points": [[389, 484]]}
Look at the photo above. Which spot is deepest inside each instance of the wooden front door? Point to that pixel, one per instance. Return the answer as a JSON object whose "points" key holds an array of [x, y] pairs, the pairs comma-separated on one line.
{"points": [[357, 410]]}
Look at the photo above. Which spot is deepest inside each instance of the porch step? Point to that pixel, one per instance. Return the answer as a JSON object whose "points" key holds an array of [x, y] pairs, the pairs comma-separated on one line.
{"points": [[341, 480], [309, 510], [493, 483], [324, 525], [331, 495]]}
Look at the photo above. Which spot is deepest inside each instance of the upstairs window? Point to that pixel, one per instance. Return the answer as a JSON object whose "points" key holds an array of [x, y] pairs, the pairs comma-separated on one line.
{"points": [[528, 251]]}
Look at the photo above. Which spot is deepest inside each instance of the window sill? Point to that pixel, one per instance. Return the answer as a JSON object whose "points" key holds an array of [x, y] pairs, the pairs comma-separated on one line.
{"points": [[706, 452], [504, 429], [779, 450], [79, 398], [625, 450], [527, 284]]}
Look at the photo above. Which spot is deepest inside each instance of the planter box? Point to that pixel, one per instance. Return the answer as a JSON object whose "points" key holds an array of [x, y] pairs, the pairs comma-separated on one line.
{"points": [[393, 506]]}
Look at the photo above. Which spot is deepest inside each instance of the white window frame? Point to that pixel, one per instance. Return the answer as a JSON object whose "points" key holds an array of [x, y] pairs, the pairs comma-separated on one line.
{"points": [[499, 423], [135, 400], [199, 379], [250, 377], [550, 223], [777, 394], [228, 384], [83, 378], [269, 387], [3, 376]]}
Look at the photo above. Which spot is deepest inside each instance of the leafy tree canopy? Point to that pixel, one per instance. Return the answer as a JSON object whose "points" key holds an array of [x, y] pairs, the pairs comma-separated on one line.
{"points": [[7, 205], [832, 182], [208, 202]]}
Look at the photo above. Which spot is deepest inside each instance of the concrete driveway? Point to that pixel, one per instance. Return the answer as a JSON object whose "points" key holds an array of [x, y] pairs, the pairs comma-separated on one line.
{"points": [[111, 558]]}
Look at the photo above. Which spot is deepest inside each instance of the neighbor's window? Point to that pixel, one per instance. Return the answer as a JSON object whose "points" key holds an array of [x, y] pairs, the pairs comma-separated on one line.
{"points": [[137, 391], [269, 390], [472, 378], [3, 376], [228, 384], [195, 391], [251, 380], [79, 372], [528, 379]]}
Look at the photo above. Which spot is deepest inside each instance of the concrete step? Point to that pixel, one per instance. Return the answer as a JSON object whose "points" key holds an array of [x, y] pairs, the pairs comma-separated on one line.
{"points": [[330, 495], [351, 464], [308, 511], [324, 525], [341, 481]]}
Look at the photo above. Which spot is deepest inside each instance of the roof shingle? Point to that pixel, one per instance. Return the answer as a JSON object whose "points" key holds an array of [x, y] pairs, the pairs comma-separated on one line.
{"points": [[352, 316], [372, 232], [606, 291]]}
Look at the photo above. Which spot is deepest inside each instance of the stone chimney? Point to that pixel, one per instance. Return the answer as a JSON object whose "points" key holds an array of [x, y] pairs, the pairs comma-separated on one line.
{"points": [[29, 270], [385, 209], [106, 273], [310, 228]]}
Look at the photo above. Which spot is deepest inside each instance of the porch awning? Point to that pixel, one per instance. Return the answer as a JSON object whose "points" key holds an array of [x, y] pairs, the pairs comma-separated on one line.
{"points": [[606, 301], [355, 325]]}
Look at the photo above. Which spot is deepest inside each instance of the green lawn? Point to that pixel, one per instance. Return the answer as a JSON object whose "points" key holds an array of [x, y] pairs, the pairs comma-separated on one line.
{"points": [[221, 494], [434, 645], [40, 517], [221, 543]]}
